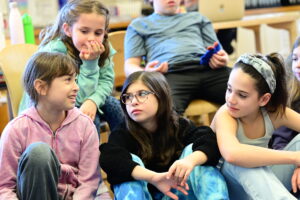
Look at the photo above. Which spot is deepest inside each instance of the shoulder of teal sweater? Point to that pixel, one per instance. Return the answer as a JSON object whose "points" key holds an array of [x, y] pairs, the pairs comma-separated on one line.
{"points": [[112, 51], [55, 45]]}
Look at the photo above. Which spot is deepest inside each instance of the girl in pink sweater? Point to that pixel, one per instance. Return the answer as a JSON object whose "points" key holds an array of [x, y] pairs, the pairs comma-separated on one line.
{"points": [[50, 152]]}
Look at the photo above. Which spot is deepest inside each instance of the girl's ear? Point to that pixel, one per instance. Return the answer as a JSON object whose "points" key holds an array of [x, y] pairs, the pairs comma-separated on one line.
{"points": [[67, 29], [264, 99], [40, 86]]}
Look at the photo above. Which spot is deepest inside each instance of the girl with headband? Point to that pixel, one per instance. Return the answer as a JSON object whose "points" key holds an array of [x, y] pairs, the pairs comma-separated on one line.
{"points": [[256, 100]]}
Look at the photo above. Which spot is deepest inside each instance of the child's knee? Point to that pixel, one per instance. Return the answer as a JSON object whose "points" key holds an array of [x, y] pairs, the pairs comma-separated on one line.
{"points": [[37, 154]]}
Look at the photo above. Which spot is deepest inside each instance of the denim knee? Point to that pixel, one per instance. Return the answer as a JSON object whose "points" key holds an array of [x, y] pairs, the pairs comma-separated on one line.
{"points": [[37, 154]]}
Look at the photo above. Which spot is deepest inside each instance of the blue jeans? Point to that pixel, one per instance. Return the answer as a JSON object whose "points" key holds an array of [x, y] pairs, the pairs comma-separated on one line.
{"points": [[38, 173], [261, 183], [205, 182], [112, 114]]}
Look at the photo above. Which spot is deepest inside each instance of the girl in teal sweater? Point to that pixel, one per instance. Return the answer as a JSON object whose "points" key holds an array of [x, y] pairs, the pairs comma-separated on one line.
{"points": [[81, 32]]}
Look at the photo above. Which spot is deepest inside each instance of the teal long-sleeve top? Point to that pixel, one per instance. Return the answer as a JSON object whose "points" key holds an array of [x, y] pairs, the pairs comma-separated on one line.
{"points": [[95, 83]]}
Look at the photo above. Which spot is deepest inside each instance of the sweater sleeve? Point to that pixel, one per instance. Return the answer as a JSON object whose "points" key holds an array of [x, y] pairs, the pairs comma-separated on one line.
{"points": [[105, 83], [203, 139], [88, 166], [208, 33], [104, 79], [10, 152], [134, 45], [87, 80], [115, 157]]}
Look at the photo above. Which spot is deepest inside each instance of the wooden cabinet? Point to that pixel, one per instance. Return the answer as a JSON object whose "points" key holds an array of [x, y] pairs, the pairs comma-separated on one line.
{"points": [[3, 110]]}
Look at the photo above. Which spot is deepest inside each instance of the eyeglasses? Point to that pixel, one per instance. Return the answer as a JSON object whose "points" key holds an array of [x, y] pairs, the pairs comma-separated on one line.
{"points": [[141, 96]]}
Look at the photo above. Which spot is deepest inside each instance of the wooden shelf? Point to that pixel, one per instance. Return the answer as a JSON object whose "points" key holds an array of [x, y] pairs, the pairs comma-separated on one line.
{"points": [[282, 20], [254, 20], [258, 11]]}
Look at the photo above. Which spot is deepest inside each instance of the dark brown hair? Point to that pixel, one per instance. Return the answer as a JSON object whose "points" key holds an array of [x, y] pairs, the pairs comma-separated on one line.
{"points": [[166, 119], [46, 66], [69, 14]]}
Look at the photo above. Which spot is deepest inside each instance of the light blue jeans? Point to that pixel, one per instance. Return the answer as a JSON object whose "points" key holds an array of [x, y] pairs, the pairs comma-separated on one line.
{"points": [[205, 183], [261, 183]]}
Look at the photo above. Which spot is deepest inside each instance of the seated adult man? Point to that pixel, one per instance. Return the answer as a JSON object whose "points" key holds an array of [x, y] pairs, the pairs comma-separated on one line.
{"points": [[172, 43]]}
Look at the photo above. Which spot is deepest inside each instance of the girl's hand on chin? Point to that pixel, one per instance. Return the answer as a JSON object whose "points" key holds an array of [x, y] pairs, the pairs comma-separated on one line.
{"points": [[92, 51]]}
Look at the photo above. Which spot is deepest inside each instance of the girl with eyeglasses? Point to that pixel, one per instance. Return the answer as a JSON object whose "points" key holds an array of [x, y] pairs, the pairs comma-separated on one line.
{"points": [[155, 153]]}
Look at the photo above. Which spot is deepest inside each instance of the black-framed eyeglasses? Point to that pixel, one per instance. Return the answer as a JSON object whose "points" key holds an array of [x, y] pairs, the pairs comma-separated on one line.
{"points": [[141, 96]]}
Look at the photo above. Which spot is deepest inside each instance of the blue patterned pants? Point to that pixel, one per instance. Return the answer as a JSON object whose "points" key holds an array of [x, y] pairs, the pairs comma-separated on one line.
{"points": [[205, 183]]}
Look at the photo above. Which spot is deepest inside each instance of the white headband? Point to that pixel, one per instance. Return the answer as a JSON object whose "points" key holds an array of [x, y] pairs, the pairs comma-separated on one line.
{"points": [[262, 67]]}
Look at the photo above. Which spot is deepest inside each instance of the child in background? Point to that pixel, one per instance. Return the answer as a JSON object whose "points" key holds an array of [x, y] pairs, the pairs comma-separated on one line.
{"points": [[173, 44], [81, 32], [255, 106], [159, 147], [50, 151], [283, 135]]}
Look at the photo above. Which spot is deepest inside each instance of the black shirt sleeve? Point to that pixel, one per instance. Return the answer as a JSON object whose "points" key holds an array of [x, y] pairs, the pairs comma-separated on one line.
{"points": [[203, 139], [115, 157]]}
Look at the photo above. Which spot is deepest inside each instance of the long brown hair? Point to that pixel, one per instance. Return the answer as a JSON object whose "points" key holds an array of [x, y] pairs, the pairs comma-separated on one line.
{"points": [[166, 120], [69, 14]]}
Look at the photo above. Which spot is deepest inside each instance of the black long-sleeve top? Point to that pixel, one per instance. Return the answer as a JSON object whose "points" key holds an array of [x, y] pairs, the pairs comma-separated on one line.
{"points": [[116, 161]]}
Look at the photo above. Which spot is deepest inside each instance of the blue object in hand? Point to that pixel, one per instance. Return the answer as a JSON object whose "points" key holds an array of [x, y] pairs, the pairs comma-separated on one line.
{"points": [[211, 50]]}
